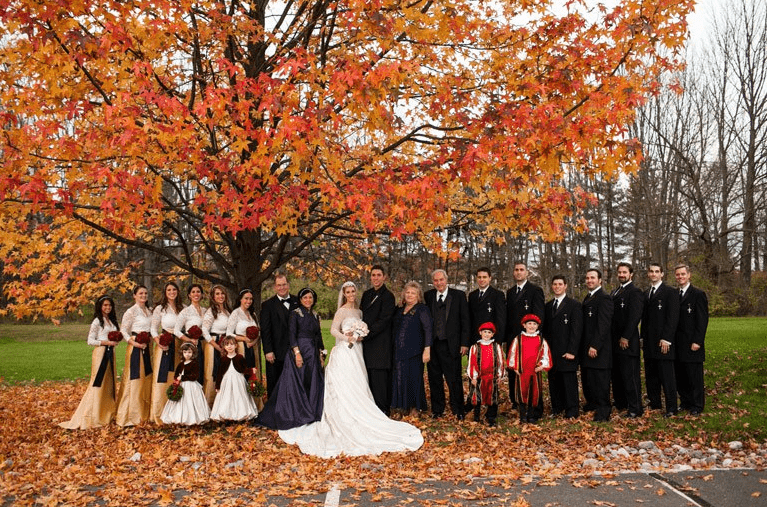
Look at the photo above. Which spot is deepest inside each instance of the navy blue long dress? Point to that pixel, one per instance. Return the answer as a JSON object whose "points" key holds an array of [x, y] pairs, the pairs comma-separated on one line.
{"points": [[298, 394], [412, 332]]}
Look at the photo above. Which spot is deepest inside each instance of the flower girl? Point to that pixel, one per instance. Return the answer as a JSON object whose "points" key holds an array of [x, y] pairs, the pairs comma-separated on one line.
{"points": [[233, 401], [191, 408]]}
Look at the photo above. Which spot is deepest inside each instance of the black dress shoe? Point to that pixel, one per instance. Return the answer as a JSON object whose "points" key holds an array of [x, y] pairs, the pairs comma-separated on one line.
{"points": [[460, 417], [632, 415], [694, 411], [491, 422], [669, 414], [438, 416]]}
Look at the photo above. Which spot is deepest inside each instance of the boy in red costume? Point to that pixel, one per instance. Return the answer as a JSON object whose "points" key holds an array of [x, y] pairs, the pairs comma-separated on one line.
{"points": [[529, 356], [485, 369]]}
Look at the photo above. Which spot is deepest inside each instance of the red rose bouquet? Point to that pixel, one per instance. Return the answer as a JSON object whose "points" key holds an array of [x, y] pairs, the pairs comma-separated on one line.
{"points": [[143, 337], [115, 336], [175, 391], [251, 333], [255, 386], [166, 339], [194, 332]]}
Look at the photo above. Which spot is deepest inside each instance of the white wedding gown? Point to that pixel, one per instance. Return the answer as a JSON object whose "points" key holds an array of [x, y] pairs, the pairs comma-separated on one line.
{"points": [[351, 422]]}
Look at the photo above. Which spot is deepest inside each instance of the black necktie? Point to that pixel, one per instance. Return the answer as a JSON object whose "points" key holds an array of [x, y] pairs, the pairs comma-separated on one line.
{"points": [[440, 300], [481, 294], [681, 293], [652, 292], [556, 305], [519, 289]]}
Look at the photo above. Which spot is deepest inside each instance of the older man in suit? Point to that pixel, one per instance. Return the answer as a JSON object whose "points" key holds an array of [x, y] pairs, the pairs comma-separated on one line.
{"points": [[562, 329], [658, 332], [628, 305], [596, 347], [274, 329], [487, 304], [690, 342], [451, 331], [377, 307]]}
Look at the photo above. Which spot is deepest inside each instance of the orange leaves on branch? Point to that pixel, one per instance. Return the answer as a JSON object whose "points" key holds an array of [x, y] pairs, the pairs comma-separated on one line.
{"points": [[184, 124]]}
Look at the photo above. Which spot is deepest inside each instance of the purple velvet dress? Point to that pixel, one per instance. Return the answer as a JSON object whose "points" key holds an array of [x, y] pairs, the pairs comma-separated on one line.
{"points": [[412, 332], [298, 395]]}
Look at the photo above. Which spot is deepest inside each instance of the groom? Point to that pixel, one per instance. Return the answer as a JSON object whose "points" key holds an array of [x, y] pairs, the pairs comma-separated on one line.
{"points": [[377, 307]]}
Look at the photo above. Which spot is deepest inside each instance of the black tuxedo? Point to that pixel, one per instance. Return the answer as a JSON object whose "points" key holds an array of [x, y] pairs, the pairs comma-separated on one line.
{"points": [[530, 300], [659, 322], [377, 311], [628, 305], [595, 372], [562, 330], [691, 328], [449, 336], [491, 308], [274, 336]]}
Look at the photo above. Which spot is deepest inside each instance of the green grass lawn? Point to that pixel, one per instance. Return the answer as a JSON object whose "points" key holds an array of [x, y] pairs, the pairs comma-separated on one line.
{"points": [[736, 372], [39, 352]]}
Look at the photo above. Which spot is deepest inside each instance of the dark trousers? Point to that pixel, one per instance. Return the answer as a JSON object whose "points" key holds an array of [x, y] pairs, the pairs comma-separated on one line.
{"points": [[444, 365], [689, 382], [563, 389], [533, 409], [512, 376], [596, 390], [379, 381], [627, 383], [273, 372], [659, 374], [491, 414]]}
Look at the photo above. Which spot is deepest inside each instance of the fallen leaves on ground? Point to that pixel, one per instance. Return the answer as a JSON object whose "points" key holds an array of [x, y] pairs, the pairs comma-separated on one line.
{"points": [[239, 464]]}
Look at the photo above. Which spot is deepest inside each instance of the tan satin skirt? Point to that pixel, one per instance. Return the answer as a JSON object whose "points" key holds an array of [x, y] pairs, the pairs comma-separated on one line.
{"points": [[97, 406], [209, 383], [159, 398], [135, 397]]}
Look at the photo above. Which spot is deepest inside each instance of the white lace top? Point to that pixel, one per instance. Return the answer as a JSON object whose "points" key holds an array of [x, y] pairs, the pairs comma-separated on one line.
{"points": [[136, 320], [98, 334], [187, 318], [216, 326], [163, 320], [239, 321]]}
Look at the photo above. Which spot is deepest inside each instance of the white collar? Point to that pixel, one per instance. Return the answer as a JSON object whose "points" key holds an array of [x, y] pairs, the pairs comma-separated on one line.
{"points": [[443, 294]]}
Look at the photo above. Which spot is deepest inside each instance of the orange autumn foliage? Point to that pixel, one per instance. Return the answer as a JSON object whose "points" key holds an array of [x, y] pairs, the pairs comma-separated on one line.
{"points": [[229, 138]]}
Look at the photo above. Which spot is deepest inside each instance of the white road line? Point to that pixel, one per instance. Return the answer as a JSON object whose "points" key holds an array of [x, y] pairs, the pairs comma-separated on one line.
{"points": [[334, 496], [678, 492]]}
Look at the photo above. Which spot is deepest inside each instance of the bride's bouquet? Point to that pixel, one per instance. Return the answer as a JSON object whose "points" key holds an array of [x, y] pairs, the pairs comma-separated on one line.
{"points": [[357, 327]]}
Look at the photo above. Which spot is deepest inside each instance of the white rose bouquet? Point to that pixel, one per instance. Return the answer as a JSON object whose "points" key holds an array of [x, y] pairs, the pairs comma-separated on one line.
{"points": [[357, 328]]}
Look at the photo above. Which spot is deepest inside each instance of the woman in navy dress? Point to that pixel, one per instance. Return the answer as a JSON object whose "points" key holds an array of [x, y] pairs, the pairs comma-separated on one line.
{"points": [[412, 331], [297, 397]]}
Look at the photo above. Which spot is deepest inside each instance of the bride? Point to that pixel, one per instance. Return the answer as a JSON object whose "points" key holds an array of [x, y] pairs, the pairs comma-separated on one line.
{"points": [[351, 422]]}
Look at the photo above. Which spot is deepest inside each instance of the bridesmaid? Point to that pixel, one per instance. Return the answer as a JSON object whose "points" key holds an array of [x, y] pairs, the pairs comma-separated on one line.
{"points": [[165, 358], [213, 330], [239, 321], [190, 317], [134, 400], [97, 408]]}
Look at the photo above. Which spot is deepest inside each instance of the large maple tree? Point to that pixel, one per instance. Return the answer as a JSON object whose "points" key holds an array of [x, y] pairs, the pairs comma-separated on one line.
{"points": [[227, 137]]}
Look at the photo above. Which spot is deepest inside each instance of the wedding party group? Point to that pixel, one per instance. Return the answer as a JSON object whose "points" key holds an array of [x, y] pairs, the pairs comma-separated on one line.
{"points": [[205, 363]]}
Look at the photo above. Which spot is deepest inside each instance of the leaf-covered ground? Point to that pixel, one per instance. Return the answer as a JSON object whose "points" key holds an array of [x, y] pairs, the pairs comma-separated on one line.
{"points": [[137, 466]]}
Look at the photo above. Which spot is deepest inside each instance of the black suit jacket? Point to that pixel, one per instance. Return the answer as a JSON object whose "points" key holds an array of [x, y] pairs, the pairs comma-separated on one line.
{"points": [[457, 322], [692, 325], [628, 305], [492, 308], [597, 319], [377, 312], [530, 300], [274, 326], [562, 330], [659, 321]]}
